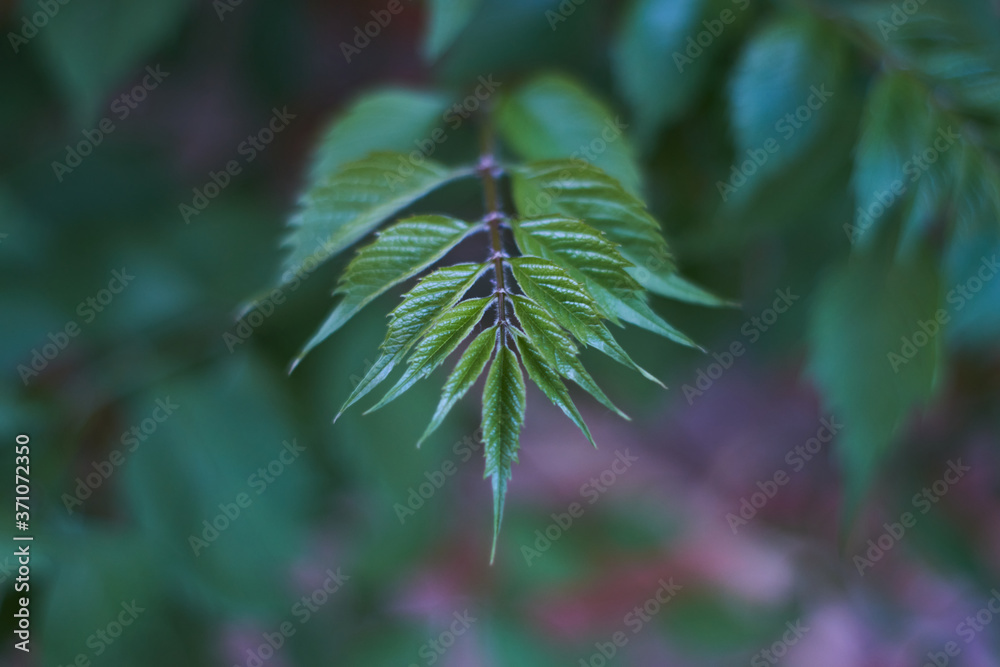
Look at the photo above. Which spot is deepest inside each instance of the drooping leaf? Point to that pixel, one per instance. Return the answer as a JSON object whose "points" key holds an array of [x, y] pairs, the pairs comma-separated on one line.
{"points": [[342, 208], [447, 19], [390, 119], [551, 117], [546, 377], [655, 74], [503, 415], [570, 305], [468, 369], [557, 347], [783, 90], [400, 252], [438, 340], [596, 263], [421, 306], [897, 125], [875, 339]]}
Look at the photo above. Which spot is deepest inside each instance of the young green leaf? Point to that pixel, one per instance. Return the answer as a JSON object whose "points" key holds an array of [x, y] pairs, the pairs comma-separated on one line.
{"points": [[439, 339], [582, 191], [400, 252], [503, 415], [345, 206], [468, 369], [557, 347], [552, 117], [421, 306], [591, 259], [570, 305], [546, 377]]}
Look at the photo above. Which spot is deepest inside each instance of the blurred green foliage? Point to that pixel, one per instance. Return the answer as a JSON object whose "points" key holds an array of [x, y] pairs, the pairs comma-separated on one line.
{"points": [[820, 214]]}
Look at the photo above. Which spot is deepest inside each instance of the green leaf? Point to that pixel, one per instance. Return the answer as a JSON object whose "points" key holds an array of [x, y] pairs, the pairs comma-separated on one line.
{"points": [[656, 77], [868, 374], [570, 305], [575, 246], [547, 379], [468, 369], [399, 253], [447, 19], [897, 125], [781, 69], [391, 119], [596, 263], [551, 117], [676, 287], [584, 192], [421, 306], [342, 208], [557, 347], [503, 415], [439, 339], [92, 47]]}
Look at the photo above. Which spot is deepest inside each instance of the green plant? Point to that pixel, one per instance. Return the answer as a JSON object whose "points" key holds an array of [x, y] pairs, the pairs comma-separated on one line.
{"points": [[585, 252]]}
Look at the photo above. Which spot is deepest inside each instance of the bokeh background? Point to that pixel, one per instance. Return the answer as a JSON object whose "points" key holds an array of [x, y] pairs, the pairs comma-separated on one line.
{"points": [[321, 560]]}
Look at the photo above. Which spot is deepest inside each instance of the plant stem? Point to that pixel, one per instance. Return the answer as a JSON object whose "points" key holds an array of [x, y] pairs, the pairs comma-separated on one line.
{"points": [[489, 172]]}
